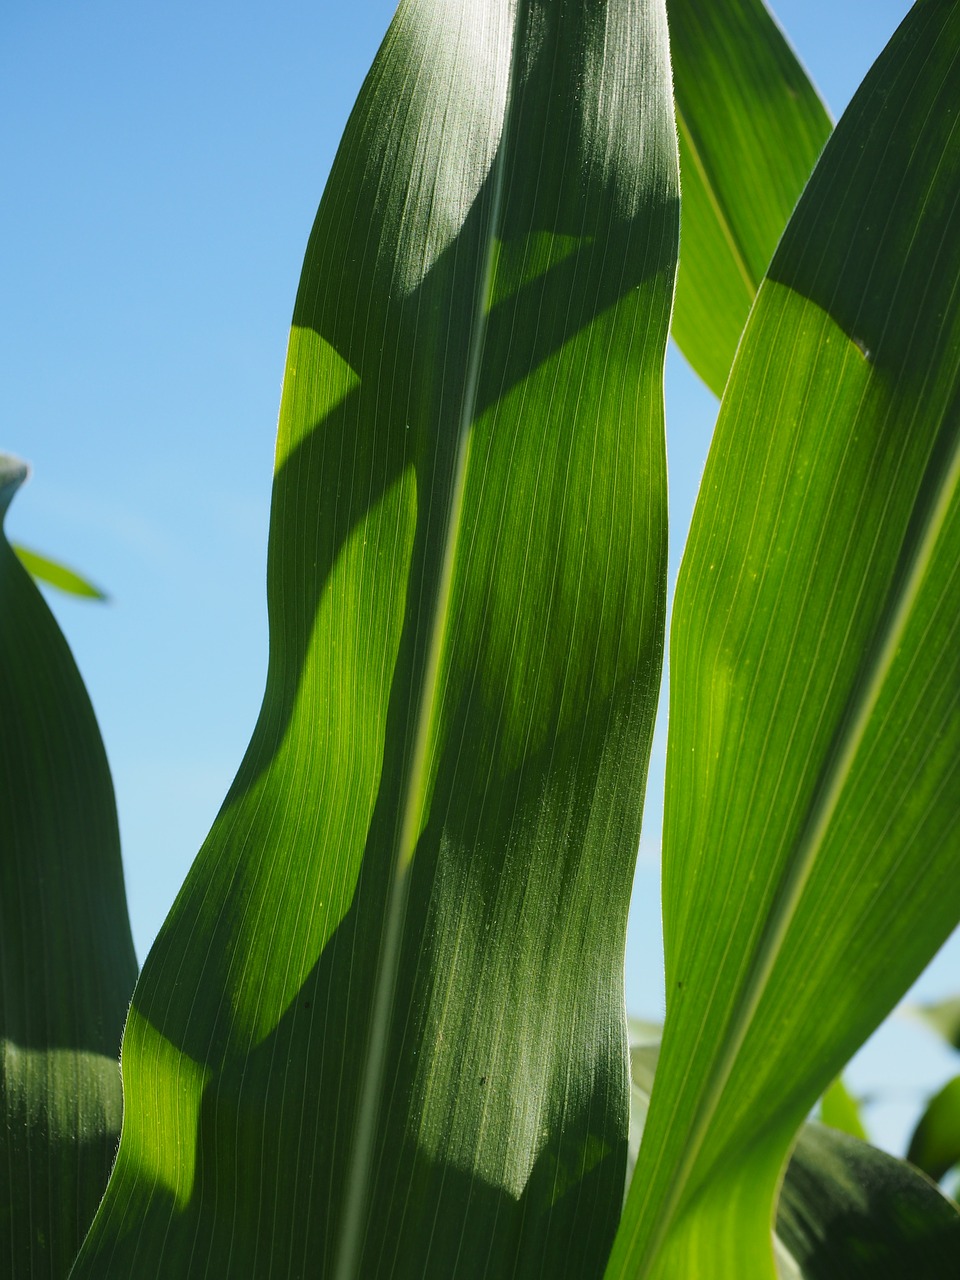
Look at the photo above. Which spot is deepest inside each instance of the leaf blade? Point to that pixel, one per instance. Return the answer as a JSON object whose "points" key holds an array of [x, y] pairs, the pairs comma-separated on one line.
{"points": [[815, 669], [850, 1212], [67, 964], [845, 1209], [751, 126], [935, 1142], [415, 694], [58, 575], [840, 1110]]}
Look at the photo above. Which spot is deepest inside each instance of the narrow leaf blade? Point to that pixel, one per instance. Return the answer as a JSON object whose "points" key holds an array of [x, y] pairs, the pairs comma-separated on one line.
{"points": [[751, 126], [57, 575], [811, 825]]}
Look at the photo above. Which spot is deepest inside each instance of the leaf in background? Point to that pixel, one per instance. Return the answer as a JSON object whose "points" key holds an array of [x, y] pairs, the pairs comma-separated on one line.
{"points": [[751, 126], [643, 1065], [935, 1145], [850, 1212], [840, 1110], [845, 1210], [67, 964], [382, 1032], [57, 575], [811, 820], [943, 1017]]}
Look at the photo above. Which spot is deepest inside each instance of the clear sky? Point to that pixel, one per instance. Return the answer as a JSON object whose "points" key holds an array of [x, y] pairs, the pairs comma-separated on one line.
{"points": [[162, 165]]}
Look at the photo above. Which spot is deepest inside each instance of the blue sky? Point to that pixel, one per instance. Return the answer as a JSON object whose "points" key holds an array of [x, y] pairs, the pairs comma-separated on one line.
{"points": [[162, 165]]}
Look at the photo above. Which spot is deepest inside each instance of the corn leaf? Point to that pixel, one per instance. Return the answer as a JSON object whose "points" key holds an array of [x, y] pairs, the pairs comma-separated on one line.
{"points": [[935, 1144], [67, 966], [382, 1031], [840, 1110], [850, 1212], [57, 575], [751, 126], [811, 826], [845, 1210]]}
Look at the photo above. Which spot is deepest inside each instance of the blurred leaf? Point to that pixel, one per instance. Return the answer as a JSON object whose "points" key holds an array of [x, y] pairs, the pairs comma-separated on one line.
{"points": [[57, 575], [840, 1110], [643, 1066], [811, 828], [67, 966], [935, 1145], [943, 1017], [751, 126], [850, 1212], [362, 1045]]}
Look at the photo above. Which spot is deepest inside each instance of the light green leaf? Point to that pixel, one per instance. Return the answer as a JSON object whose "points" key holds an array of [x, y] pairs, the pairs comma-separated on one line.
{"points": [[845, 1210], [943, 1017], [840, 1110], [850, 1212], [751, 126], [381, 1032], [935, 1145], [67, 966], [57, 574], [811, 825]]}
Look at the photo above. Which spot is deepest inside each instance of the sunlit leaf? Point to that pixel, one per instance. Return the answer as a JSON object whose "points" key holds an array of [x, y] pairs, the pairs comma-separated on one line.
{"points": [[381, 1032], [811, 827], [750, 126], [840, 1110], [67, 966], [57, 575]]}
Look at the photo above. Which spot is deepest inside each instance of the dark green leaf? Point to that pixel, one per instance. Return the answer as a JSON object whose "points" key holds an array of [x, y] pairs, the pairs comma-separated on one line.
{"points": [[850, 1212], [381, 1032], [67, 965]]}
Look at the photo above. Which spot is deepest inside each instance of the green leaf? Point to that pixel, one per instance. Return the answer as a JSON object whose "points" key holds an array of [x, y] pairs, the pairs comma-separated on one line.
{"points": [[811, 826], [935, 1145], [751, 126], [845, 1209], [67, 966], [850, 1212], [840, 1110], [943, 1017], [57, 574], [643, 1065], [382, 1031]]}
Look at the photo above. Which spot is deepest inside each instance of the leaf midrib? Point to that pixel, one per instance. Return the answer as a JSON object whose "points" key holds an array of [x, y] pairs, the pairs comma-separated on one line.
{"points": [[810, 842], [415, 787]]}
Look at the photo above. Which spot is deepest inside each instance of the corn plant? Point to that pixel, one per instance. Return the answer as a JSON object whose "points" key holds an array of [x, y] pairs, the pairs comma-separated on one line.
{"points": [[382, 1032]]}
